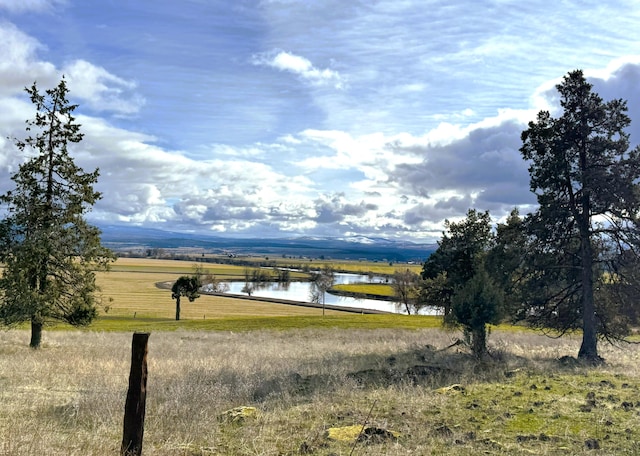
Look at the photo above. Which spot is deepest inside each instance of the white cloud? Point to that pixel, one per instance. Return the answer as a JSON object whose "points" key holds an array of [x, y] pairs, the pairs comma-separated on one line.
{"points": [[102, 90], [286, 61], [20, 65], [95, 86]]}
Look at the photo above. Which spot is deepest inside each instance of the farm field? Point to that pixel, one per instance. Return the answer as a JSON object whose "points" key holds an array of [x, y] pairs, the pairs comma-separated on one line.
{"points": [[354, 266], [129, 290], [377, 289]]}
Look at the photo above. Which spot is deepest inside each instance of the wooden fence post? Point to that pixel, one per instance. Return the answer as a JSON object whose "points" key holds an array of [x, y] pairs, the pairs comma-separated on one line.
{"points": [[136, 398]]}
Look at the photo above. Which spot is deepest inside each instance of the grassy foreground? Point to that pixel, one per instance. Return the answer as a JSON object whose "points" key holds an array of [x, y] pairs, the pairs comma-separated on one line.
{"points": [[312, 384], [68, 398]]}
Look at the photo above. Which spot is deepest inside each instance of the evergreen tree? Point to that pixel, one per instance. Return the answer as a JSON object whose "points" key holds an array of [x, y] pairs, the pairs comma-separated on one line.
{"points": [[188, 287], [456, 278], [585, 178], [48, 250], [474, 305], [457, 256]]}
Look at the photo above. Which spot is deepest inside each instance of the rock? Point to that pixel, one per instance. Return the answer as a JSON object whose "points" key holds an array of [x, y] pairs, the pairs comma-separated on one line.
{"points": [[376, 435], [238, 414], [456, 388], [592, 444], [626, 406], [443, 431], [370, 434]]}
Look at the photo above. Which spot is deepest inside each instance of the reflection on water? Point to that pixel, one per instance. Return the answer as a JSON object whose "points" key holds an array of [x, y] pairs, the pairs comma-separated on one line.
{"points": [[301, 291]]}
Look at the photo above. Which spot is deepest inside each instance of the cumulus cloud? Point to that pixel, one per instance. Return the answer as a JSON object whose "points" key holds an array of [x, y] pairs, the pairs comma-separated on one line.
{"points": [[20, 65], [102, 90], [96, 87], [300, 66]]}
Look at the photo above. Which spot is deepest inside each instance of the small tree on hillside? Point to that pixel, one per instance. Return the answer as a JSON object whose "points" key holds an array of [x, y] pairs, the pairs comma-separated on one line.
{"points": [[48, 250], [456, 278], [477, 303], [185, 286], [321, 282], [406, 289]]}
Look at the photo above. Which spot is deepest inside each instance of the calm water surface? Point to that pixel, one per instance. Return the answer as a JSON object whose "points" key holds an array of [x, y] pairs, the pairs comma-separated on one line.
{"points": [[301, 291]]}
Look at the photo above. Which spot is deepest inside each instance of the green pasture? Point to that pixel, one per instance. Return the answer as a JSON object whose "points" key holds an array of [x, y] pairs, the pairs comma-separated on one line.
{"points": [[336, 320]]}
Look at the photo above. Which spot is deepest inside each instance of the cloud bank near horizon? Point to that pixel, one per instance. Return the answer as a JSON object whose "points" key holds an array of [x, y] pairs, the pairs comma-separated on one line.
{"points": [[325, 162]]}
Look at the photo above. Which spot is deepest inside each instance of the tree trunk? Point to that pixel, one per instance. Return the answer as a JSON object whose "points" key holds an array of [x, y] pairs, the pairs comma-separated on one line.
{"points": [[36, 332], [589, 347], [406, 306], [177, 308], [479, 341]]}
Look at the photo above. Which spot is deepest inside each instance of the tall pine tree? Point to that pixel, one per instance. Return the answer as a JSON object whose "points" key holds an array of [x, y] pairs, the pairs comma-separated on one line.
{"points": [[48, 250], [585, 178]]}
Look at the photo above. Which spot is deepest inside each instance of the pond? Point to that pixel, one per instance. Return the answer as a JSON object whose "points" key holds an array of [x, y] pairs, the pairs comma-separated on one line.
{"points": [[301, 291]]}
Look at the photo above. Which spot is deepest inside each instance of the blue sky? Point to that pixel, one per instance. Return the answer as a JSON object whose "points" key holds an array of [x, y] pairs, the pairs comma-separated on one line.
{"points": [[287, 118]]}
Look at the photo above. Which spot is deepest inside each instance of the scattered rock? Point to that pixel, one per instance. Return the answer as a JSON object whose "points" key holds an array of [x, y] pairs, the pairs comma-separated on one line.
{"points": [[372, 435], [512, 373], [443, 431], [626, 406], [592, 444], [525, 438]]}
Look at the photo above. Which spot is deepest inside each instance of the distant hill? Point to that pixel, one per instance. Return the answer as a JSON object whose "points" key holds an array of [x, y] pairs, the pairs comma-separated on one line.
{"points": [[126, 238]]}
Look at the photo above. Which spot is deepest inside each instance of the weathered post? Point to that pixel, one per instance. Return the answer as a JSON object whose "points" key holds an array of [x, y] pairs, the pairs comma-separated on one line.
{"points": [[136, 397]]}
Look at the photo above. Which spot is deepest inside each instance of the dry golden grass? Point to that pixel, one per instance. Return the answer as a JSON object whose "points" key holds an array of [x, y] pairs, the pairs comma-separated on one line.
{"points": [[68, 397], [174, 267]]}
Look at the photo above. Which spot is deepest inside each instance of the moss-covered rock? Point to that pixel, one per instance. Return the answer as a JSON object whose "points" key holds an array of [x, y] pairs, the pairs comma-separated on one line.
{"points": [[238, 414], [370, 434]]}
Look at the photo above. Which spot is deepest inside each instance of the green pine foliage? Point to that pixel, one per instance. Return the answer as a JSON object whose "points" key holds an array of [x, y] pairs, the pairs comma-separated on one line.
{"points": [[188, 287], [48, 249], [586, 182]]}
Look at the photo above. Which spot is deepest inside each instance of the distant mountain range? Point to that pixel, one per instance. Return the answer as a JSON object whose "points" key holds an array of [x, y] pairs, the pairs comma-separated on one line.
{"points": [[127, 238]]}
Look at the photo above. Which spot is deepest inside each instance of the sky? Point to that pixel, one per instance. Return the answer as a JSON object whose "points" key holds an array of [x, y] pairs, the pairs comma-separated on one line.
{"points": [[286, 118]]}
